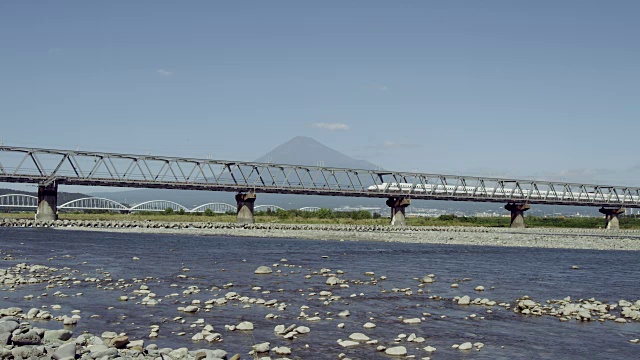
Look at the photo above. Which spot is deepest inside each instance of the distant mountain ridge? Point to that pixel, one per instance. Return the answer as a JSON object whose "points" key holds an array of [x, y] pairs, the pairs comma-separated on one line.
{"points": [[303, 150]]}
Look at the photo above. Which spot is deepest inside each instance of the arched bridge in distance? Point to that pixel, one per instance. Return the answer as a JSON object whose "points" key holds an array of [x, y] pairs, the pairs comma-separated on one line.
{"points": [[51, 167], [24, 201]]}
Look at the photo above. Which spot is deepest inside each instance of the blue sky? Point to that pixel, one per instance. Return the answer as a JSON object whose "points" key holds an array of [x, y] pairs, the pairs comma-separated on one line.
{"points": [[536, 89]]}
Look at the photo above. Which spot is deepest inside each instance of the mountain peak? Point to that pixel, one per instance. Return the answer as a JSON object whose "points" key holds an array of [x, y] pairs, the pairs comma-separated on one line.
{"points": [[302, 141], [303, 150], [301, 138]]}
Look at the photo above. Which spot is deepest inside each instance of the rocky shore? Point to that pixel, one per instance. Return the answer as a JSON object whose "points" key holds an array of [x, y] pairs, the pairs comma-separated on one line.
{"points": [[20, 339], [23, 341], [591, 239]]}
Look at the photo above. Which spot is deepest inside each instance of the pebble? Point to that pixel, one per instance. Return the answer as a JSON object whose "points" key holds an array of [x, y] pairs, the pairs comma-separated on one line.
{"points": [[396, 351], [282, 350], [191, 309], [465, 300], [261, 347], [302, 330], [263, 270], [359, 337], [244, 326], [430, 349], [427, 279], [348, 343], [332, 281]]}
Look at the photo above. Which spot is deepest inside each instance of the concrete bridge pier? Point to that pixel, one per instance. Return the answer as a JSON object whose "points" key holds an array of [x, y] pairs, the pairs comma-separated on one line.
{"points": [[517, 214], [611, 217], [398, 206], [245, 204], [47, 202]]}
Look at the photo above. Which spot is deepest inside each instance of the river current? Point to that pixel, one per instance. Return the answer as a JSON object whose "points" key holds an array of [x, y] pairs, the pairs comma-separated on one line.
{"points": [[170, 264]]}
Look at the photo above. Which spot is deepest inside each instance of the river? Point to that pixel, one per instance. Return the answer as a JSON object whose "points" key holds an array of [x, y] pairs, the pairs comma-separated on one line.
{"points": [[169, 264]]}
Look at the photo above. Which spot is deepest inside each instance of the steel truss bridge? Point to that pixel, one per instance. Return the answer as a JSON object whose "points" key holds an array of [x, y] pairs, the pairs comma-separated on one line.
{"points": [[23, 201], [69, 167]]}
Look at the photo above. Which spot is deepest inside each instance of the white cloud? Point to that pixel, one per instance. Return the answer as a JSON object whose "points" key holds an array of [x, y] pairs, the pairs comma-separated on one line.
{"points": [[331, 126], [163, 72], [383, 88], [392, 145]]}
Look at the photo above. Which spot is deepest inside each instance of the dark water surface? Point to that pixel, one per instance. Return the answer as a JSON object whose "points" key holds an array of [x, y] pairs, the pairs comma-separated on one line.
{"points": [[506, 273]]}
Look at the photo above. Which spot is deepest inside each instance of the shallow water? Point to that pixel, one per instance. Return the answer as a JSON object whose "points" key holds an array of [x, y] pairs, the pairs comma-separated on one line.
{"points": [[506, 273]]}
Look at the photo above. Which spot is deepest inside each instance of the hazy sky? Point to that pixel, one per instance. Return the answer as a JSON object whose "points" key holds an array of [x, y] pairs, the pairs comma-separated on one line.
{"points": [[544, 89]]}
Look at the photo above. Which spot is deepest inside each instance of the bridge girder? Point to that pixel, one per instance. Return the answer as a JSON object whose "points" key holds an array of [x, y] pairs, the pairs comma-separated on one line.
{"points": [[18, 201], [215, 207], [273, 208], [94, 203], [158, 205]]}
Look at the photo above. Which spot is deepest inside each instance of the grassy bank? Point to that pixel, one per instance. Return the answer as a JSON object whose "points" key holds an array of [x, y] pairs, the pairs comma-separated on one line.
{"points": [[355, 218]]}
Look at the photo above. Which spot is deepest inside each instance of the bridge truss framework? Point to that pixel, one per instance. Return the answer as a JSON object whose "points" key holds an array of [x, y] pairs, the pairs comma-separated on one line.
{"points": [[69, 167], [50, 167]]}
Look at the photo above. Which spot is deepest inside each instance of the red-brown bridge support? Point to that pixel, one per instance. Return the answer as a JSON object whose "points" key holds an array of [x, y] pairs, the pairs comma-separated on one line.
{"points": [[611, 217], [47, 202], [517, 214], [398, 206], [245, 204]]}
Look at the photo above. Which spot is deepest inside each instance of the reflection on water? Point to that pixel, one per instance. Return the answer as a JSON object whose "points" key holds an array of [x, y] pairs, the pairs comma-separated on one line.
{"points": [[213, 262]]}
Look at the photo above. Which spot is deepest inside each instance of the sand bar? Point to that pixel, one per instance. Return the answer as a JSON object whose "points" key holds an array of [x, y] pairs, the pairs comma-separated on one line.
{"points": [[591, 239]]}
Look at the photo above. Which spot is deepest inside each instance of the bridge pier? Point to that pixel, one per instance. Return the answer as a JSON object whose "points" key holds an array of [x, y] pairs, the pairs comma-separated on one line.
{"points": [[517, 214], [47, 202], [245, 204], [398, 206], [611, 217]]}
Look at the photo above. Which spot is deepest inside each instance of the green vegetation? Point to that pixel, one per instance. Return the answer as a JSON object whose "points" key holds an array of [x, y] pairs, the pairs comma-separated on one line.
{"points": [[530, 221], [327, 216], [322, 214]]}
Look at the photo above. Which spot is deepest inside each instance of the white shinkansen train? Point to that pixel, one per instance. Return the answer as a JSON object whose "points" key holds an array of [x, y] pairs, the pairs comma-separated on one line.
{"points": [[524, 194]]}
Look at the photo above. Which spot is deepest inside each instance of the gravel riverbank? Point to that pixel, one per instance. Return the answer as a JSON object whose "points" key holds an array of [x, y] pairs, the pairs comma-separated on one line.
{"points": [[591, 239]]}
